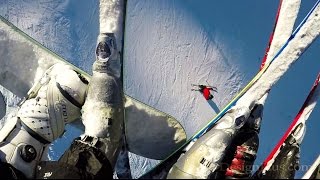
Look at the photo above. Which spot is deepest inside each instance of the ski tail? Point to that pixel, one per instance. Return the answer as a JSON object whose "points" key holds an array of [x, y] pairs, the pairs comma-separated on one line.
{"points": [[302, 116], [271, 36]]}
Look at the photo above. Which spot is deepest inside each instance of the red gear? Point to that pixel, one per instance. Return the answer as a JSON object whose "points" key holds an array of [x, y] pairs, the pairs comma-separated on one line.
{"points": [[206, 93]]}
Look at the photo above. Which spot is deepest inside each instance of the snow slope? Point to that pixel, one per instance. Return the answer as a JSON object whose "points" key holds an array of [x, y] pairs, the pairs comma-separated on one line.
{"points": [[67, 28], [171, 44]]}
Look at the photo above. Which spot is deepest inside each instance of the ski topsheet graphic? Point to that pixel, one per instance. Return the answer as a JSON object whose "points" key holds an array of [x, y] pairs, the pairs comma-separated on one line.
{"points": [[23, 61], [307, 31]]}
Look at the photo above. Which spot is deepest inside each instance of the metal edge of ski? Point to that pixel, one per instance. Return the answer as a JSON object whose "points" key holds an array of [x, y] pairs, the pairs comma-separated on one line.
{"points": [[311, 98], [314, 170], [281, 31], [234, 100]]}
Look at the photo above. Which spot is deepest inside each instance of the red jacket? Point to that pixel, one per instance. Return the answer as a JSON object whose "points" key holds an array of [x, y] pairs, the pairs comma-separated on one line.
{"points": [[206, 92]]}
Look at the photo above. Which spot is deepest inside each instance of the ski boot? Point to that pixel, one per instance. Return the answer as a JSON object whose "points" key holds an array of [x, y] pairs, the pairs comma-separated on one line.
{"points": [[287, 161], [103, 111], [247, 143], [53, 102], [241, 164], [206, 156], [94, 154]]}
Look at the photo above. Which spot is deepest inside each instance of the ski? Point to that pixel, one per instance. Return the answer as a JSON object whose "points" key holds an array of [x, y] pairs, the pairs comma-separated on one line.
{"points": [[271, 36], [283, 27], [301, 117], [314, 171], [214, 89], [194, 86], [307, 20], [112, 20], [236, 169], [31, 59]]}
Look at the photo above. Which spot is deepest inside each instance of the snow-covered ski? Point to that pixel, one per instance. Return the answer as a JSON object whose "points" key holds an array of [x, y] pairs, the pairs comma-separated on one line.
{"points": [[271, 36], [24, 60], [300, 118], [112, 24], [241, 166], [283, 26], [304, 35]]}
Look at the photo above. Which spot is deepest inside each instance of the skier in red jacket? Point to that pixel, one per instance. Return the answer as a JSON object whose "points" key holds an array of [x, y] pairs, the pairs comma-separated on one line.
{"points": [[205, 90]]}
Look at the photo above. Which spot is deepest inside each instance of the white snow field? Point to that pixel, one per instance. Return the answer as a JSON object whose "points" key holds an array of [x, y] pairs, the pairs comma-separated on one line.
{"points": [[171, 44]]}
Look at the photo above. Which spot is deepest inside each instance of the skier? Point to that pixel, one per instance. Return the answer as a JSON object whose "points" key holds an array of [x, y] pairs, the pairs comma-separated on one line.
{"points": [[55, 101], [205, 90]]}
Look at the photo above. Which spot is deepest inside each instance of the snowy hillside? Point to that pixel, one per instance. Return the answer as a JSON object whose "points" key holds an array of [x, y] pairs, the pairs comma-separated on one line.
{"points": [[171, 44], [68, 27]]}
